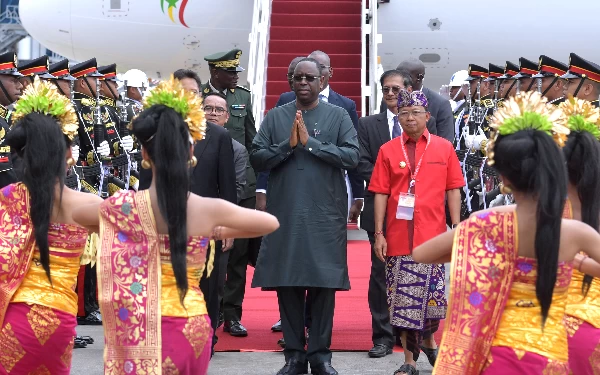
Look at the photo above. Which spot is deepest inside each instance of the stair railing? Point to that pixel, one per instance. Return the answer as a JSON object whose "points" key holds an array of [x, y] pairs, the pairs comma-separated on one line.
{"points": [[257, 63], [369, 70]]}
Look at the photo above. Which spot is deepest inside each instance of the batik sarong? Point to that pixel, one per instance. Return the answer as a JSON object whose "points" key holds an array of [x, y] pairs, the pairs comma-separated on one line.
{"points": [[505, 360], [416, 298]]}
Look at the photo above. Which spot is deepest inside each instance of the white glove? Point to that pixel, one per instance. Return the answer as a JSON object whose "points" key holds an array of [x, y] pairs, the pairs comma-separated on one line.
{"points": [[75, 152], [103, 149], [127, 143]]}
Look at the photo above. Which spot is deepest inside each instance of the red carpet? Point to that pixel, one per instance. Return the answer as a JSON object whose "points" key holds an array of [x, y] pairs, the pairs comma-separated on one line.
{"points": [[352, 321], [300, 27]]}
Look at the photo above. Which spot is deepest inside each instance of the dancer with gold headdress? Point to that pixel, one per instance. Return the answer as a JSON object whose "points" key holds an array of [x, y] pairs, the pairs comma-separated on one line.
{"points": [[582, 152], [150, 260], [40, 244], [511, 265]]}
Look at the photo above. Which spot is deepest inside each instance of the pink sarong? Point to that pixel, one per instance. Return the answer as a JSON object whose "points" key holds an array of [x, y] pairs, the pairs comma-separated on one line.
{"points": [[506, 361], [584, 347]]}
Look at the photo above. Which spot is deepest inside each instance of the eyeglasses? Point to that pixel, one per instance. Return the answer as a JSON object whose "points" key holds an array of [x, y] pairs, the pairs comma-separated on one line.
{"points": [[395, 89], [290, 76], [218, 110], [420, 76], [414, 113], [307, 77]]}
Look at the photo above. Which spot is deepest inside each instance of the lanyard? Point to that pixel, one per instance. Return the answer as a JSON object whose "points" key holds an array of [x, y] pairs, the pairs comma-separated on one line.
{"points": [[413, 176]]}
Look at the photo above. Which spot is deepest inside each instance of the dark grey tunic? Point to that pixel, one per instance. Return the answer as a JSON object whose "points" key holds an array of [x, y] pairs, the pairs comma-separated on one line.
{"points": [[307, 194]]}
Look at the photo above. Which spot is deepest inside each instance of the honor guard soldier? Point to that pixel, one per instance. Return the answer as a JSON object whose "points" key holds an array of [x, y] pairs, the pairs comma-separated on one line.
{"points": [[109, 94], [135, 84], [508, 86], [494, 74], [458, 96], [527, 69], [37, 67], [490, 95], [224, 69], [583, 79], [10, 90], [549, 83], [470, 118], [64, 79]]}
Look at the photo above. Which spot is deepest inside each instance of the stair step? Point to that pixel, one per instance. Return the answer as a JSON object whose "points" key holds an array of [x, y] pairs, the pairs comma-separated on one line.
{"points": [[339, 74], [305, 47], [312, 20], [323, 7], [271, 100], [337, 60], [315, 33], [344, 88]]}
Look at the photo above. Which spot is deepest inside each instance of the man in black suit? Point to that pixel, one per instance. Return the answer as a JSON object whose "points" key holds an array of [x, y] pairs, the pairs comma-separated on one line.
{"points": [[373, 132], [213, 177], [439, 107]]}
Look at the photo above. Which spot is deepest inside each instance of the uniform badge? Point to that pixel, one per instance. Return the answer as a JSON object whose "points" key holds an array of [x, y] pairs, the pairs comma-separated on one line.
{"points": [[206, 90], [402, 165], [238, 106]]}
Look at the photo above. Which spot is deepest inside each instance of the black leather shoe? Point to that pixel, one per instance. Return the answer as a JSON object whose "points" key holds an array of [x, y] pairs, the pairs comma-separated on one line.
{"points": [[380, 351], [277, 327], [323, 369], [294, 367], [235, 328], [281, 343], [221, 319]]}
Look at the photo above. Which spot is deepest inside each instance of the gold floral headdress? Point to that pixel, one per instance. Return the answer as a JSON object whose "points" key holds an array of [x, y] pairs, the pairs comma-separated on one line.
{"points": [[170, 93], [527, 110], [582, 116], [42, 97]]}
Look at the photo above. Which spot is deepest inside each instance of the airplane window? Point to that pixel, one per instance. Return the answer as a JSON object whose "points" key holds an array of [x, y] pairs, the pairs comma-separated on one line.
{"points": [[115, 4], [430, 58]]}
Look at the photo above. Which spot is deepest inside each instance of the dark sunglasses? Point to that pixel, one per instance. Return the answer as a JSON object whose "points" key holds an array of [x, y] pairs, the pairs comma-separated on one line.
{"points": [[308, 77], [395, 89]]}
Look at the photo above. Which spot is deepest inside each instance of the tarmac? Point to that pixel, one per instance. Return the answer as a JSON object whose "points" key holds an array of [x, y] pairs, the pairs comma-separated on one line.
{"points": [[89, 361]]}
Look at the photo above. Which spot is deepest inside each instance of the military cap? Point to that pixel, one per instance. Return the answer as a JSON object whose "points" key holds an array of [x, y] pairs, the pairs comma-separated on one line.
{"points": [[87, 68], [8, 64], [510, 70], [37, 67], [60, 70], [109, 72], [476, 72], [494, 72], [581, 68], [229, 61], [548, 67], [527, 68]]}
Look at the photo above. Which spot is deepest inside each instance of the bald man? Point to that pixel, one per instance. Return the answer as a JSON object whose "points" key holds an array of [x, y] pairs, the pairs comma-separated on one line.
{"points": [[440, 108]]}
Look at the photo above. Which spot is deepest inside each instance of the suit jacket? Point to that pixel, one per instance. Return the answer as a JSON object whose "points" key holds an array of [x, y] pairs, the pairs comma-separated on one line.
{"points": [[356, 182], [442, 121], [373, 132], [214, 175]]}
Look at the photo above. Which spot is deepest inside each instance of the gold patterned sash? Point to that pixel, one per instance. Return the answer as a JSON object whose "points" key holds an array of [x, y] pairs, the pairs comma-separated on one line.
{"points": [[15, 247], [483, 262]]}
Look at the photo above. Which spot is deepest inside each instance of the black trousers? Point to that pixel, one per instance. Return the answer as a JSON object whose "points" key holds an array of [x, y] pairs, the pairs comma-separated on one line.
{"points": [[210, 289], [377, 295], [291, 309], [90, 288], [235, 285]]}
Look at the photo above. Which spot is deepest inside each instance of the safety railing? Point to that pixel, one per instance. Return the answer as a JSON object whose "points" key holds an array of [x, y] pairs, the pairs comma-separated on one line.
{"points": [[369, 61], [10, 15], [257, 63]]}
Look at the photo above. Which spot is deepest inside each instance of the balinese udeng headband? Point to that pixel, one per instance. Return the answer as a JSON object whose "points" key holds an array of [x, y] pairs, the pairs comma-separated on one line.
{"points": [[170, 93], [43, 97], [526, 111], [582, 116], [411, 99]]}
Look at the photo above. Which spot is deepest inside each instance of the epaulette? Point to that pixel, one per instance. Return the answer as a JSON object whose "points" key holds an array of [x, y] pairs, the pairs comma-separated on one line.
{"points": [[243, 88], [488, 103], [104, 101], [3, 112]]}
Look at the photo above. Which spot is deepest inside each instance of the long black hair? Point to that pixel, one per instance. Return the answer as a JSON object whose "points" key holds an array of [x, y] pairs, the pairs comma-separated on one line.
{"points": [[582, 154], [532, 162], [39, 141], [165, 136]]}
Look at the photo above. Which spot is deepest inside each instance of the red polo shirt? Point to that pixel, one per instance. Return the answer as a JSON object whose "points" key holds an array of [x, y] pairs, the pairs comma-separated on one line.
{"points": [[440, 171]]}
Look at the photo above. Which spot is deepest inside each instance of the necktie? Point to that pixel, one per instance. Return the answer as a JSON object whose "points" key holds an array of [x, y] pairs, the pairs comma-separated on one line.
{"points": [[396, 130]]}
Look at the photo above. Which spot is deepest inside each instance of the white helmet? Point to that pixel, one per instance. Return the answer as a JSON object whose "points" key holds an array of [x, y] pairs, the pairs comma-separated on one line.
{"points": [[135, 78], [459, 78]]}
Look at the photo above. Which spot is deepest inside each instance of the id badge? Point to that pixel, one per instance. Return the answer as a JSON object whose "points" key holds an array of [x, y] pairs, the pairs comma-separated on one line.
{"points": [[406, 206]]}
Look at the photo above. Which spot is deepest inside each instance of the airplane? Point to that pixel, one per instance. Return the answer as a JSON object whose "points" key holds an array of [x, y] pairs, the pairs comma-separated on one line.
{"points": [[447, 36]]}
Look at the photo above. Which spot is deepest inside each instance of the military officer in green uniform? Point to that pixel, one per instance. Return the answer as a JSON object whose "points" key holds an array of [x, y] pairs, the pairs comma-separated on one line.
{"points": [[583, 79], [224, 69], [549, 83]]}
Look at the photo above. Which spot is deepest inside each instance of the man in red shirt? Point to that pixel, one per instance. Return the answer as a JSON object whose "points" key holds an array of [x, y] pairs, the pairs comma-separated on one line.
{"points": [[413, 175]]}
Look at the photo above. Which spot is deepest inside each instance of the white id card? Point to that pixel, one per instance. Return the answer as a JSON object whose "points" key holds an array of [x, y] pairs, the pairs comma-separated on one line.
{"points": [[406, 206]]}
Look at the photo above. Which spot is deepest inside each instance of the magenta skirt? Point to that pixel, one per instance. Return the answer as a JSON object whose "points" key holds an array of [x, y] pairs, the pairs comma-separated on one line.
{"points": [[186, 345], [505, 361], [36, 340], [584, 350]]}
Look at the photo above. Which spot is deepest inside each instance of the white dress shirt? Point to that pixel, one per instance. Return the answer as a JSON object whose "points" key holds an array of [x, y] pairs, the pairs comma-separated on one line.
{"points": [[325, 94], [390, 118]]}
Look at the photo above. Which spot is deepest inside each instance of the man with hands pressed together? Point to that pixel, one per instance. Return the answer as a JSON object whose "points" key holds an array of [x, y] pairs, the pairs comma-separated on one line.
{"points": [[413, 175], [306, 144]]}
